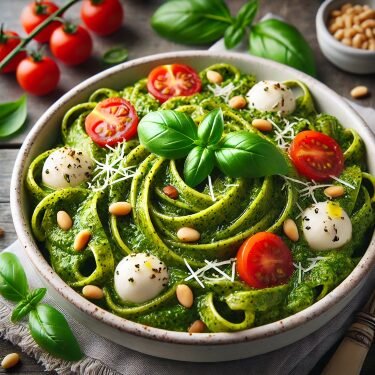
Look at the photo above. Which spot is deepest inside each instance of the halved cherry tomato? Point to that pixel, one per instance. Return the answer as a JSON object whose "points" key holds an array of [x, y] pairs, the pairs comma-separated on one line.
{"points": [[8, 42], [166, 81], [34, 14], [264, 260], [71, 44], [103, 17], [112, 121], [316, 155]]}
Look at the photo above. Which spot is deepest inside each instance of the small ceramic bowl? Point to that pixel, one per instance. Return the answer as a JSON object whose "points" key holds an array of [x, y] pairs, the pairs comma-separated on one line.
{"points": [[203, 347], [350, 59]]}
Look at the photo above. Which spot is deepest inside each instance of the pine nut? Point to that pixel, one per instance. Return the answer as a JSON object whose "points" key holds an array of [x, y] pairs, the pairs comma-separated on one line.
{"points": [[1, 232], [345, 7], [334, 27], [347, 42], [349, 33], [170, 191], [81, 240], [186, 234], [348, 21], [64, 221], [368, 24], [334, 191], [10, 360], [237, 102], [184, 295], [335, 13], [358, 8], [368, 33], [290, 230], [366, 15], [92, 292], [197, 327], [262, 125], [339, 34], [371, 45], [364, 45], [120, 208], [357, 40], [359, 92], [356, 20], [214, 77]]}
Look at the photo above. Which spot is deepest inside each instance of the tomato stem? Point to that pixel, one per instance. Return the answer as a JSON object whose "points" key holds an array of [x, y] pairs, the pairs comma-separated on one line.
{"points": [[36, 31]]}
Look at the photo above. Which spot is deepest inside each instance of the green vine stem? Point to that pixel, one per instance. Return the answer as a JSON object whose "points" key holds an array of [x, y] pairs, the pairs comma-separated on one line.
{"points": [[26, 40]]}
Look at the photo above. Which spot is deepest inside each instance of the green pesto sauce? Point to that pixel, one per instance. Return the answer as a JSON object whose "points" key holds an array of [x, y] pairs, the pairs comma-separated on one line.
{"points": [[241, 208]]}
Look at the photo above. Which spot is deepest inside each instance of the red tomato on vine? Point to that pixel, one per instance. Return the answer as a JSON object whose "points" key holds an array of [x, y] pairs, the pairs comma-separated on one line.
{"points": [[34, 14], [8, 41], [103, 17]]}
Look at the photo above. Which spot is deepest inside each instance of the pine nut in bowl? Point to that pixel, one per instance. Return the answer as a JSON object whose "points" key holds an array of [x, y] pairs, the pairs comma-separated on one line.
{"points": [[144, 279], [345, 32]]}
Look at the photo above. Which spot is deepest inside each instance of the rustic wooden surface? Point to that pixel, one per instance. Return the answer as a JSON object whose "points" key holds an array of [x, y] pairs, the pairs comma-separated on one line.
{"points": [[138, 37]]}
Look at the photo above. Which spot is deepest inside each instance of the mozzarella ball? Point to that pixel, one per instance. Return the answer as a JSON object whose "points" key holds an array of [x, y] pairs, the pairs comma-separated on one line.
{"points": [[326, 226], [140, 277], [66, 167], [271, 96]]}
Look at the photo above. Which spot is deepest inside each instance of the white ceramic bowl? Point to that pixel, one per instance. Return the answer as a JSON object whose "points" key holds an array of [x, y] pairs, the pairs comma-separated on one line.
{"points": [[205, 347], [350, 59]]}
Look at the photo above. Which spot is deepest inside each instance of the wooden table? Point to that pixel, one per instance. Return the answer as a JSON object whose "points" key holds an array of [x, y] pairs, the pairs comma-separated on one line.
{"points": [[140, 39]]}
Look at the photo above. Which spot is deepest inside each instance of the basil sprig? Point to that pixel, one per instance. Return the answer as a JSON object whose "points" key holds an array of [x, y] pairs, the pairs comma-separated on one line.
{"points": [[237, 154], [12, 116], [205, 21], [48, 327]]}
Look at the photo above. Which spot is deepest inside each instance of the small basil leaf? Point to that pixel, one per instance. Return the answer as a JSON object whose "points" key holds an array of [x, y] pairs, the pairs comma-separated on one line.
{"points": [[52, 333], [233, 36], [169, 134], [115, 56], [13, 282], [192, 21], [211, 128], [28, 304], [12, 116], [247, 13], [198, 165], [243, 154], [276, 40]]}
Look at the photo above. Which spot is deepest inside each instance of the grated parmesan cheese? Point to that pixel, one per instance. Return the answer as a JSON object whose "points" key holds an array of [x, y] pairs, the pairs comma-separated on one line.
{"points": [[223, 92], [211, 189]]}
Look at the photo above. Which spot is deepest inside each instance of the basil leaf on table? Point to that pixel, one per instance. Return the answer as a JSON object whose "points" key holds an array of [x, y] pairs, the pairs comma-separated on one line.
{"points": [[168, 133], [52, 333], [198, 165], [13, 282], [28, 304], [244, 154], [211, 128], [276, 40], [192, 21], [12, 116]]}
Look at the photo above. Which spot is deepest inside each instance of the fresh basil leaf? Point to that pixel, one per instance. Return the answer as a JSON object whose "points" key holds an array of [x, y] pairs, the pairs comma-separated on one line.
{"points": [[115, 56], [169, 134], [28, 304], [51, 332], [12, 116], [244, 154], [211, 128], [279, 41], [198, 165], [233, 36], [13, 282], [192, 21], [247, 13]]}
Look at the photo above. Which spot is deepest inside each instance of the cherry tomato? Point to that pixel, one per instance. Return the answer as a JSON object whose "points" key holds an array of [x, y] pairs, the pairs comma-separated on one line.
{"points": [[38, 76], [264, 260], [103, 17], [111, 121], [71, 44], [166, 81], [316, 155], [8, 41], [34, 14]]}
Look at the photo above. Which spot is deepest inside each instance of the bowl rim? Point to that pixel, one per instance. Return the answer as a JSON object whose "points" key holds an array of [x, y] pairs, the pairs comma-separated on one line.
{"points": [[362, 269], [322, 26]]}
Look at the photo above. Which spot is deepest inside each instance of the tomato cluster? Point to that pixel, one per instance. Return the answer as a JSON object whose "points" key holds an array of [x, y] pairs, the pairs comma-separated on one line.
{"points": [[69, 43]]}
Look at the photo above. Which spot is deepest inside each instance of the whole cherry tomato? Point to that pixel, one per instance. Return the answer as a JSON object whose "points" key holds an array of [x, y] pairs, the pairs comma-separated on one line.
{"points": [[112, 121], [264, 260], [167, 81], [316, 155], [103, 17], [38, 75], [8, 41], [71, 44], [34, 14]]}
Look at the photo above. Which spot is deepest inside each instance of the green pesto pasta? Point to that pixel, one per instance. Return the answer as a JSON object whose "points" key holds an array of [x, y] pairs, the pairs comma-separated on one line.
{"points": [[224, 210]]}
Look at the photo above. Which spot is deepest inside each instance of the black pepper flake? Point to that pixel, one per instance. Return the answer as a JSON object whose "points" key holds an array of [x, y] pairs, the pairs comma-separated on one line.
{"points": [[117, 273], [87, 174], [131, 280], [307, 228], [137, 266], [152, 276], [325, 229], [316, 210], [69, 166], [71, 153], [335, 239], [66, 177], [47, 171], [306, 218]]}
